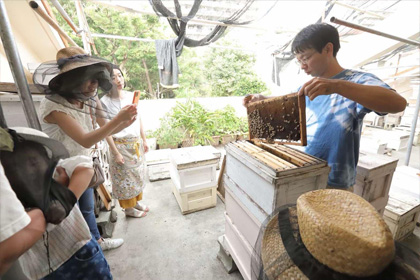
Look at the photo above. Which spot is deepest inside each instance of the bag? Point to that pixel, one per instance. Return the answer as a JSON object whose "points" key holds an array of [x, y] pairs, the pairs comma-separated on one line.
{"points": [[98, 174]]}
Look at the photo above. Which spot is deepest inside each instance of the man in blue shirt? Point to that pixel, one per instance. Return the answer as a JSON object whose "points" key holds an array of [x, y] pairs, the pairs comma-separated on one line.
{"points": [[337, 99]]}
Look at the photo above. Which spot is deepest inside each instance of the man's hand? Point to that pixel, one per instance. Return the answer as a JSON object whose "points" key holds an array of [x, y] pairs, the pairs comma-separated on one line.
{"points": [[319, 86], [252, 98]]}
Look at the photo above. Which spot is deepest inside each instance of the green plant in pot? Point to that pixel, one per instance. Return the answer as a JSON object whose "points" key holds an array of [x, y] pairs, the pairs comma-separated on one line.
{"points": [[169, 136]]}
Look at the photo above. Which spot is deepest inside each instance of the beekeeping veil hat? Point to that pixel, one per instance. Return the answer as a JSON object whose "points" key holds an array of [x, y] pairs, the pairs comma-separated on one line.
{"points": [[330, 234], [71, 69], [29, 167]]}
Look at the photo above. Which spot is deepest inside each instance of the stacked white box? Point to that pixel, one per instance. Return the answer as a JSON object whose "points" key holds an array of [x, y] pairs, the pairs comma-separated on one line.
{"points": [[401, 214], [374, 177], [193, 172]]}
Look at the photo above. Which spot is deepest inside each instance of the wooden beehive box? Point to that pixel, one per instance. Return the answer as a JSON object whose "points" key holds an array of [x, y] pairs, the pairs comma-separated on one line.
{"points": [[260, 177], [280, 119], [271, 175], [401, 214], [193, 168], [374, 177]]}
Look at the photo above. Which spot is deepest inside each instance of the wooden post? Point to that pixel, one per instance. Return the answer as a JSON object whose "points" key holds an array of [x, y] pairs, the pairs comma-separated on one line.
{"points": [[51, 14], [148, 80]]}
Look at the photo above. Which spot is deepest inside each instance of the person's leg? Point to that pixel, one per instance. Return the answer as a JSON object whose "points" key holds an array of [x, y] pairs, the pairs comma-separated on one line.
{"points": [[86, 204], [87, 263], [140, 206], [130, 209]]}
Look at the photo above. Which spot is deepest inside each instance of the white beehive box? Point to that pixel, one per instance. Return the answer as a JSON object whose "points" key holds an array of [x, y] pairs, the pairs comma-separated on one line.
{"points": [[401, 214], [266, 181], [374, 177], [239, 249], [193, 168], [241, 217], [257, 180], [195, 200]]}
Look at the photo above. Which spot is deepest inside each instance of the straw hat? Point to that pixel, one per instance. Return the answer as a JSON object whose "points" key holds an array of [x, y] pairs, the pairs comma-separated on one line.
{"points": [[328, 234], [71, 58]]}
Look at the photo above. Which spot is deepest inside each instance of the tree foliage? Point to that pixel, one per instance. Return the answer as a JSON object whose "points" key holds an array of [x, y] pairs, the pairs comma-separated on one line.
{"points": [[230, 73], [204, 73], [128, 54]]}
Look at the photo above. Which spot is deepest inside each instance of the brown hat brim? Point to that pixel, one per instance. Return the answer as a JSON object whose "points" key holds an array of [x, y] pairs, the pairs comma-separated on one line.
{"points": [[68, 67], [282, 254]]}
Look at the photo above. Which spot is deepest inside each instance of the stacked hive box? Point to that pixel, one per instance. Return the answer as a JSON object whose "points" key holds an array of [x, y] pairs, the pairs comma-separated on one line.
{"points": [[193, 171], [258, 179], [401, 214], [374, 177]]}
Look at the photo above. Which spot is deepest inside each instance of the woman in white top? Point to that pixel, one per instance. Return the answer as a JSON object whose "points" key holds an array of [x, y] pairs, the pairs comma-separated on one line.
{"points": [[71, 110], [128, 148]]}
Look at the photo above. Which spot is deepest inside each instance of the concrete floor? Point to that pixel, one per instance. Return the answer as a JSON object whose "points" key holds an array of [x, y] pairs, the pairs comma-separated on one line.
{"points": [[166, 244]]}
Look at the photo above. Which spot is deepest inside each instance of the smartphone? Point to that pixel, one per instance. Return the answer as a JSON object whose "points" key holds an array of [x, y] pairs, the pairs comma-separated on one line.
{"points": [[136, 97]]}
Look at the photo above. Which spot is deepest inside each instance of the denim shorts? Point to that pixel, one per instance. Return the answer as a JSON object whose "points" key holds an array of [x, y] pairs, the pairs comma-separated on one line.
{"points": [[86, 264]]}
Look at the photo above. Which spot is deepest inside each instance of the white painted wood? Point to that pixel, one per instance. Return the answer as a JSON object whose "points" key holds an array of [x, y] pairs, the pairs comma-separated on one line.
{"points": [[374, 177], [185, 158], [246, 223], [265, 189], [193, 178], [237, 246], [260, 191], [196, 200], [401, 214], [246, 200]]}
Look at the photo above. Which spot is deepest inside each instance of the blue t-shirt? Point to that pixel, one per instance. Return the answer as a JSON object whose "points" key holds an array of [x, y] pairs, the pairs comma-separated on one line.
{"points": [[334, 125]]}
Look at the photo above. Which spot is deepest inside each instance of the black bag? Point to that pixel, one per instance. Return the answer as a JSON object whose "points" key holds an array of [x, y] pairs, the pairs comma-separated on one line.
{"points": [[29, 170]]}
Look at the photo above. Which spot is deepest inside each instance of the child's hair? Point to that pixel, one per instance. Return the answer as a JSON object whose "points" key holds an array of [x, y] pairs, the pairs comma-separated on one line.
{"points": [[316, 36]]}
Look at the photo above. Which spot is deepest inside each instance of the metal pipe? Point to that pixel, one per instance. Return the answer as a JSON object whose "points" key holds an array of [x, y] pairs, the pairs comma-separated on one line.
{"points": [[85, 39], [359, 10], [3, 123], [15, 64], [50, 21], [413, 130], [359, 27], [65, 16]]}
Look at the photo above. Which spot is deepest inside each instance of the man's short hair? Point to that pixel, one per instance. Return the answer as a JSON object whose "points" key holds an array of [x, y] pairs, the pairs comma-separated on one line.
{"points": [[316, 36]]}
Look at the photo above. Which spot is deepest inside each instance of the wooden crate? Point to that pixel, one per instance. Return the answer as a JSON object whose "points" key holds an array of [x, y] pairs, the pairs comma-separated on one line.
{"points": [[269, 179], [406, 181], [374, 177], [193, 168], [238, 248], [279, 119], [195, 200], [401, 214]]}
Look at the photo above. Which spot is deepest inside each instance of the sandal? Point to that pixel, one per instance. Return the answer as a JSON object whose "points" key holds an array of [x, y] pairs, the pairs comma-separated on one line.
{"points": [[142, 207], [132, 212]]}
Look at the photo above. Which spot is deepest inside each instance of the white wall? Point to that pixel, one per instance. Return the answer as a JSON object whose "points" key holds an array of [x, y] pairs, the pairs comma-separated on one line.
{"points": [[150, 110]]}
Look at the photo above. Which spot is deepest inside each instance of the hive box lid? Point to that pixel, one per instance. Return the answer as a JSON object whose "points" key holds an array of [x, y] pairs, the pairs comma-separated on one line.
{"points": [[279, 119], [184, 158]]}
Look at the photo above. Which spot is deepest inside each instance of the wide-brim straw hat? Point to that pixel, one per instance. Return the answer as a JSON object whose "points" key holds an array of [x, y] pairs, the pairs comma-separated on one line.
{"points": [[71, 58], [330, 234], [56, 149]]}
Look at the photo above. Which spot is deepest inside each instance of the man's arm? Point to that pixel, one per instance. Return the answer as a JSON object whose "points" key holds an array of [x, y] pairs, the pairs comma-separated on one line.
{"points": [[376, 98], [13, 247]]}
